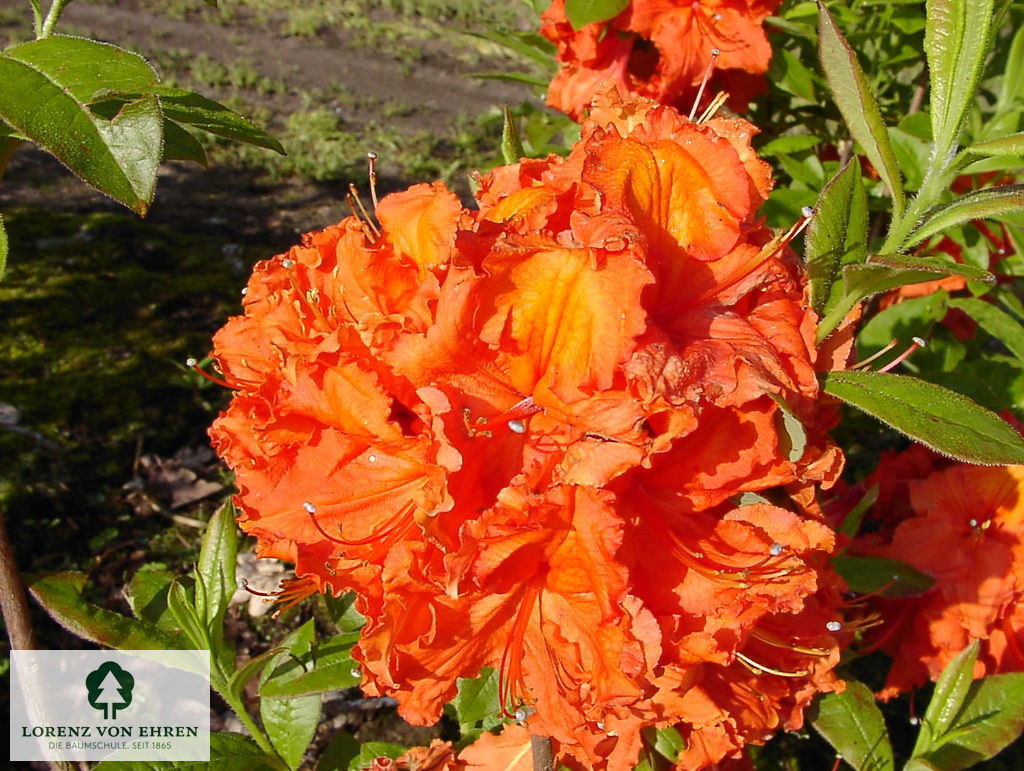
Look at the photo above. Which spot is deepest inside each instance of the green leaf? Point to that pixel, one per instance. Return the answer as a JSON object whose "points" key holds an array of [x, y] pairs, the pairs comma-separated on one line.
{"points": [[837, 234], [852, 521], [948, 697], [477, 701], [327, 666], [180, 145], [340, 752], [665, 741], [1011, 145], [1013, 79], [792, 437], [185, 614], [957, 38], [290, 723], [196, 110], [991, 718], [47, 86], [228, 752], [61, 595], [249, 670], [932, 415], [370, 750], [583, 12], [3, 247], [852, 723], [511, 145], [857, 104], [217, 563], [977, 205], [147, 597], [529, 44], [997, 323], [890, 271], [512, 77], [869, 574]]}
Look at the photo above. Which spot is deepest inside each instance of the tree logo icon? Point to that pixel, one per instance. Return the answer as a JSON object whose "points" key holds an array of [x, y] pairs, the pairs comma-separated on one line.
{"points": [[110, 688]]}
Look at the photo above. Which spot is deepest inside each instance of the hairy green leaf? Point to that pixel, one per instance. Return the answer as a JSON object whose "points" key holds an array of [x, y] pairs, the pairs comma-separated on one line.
{"points": [[511, 145], [1010, 145], [883, 272], [852, 723], [147, 597], [290, 723], [180, 145], [857, 104], [326, 666], [477, 700], [837, 234], [228, 752], [992, 716], [997, 323], [192, 109], [977, 205], [60, 594], [47, 87], [932, 415], [948, 697], [957, 39], [217, 563]]}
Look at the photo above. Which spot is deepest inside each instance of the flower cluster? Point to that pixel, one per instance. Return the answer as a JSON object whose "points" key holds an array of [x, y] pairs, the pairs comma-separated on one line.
{"points": [[661, 49], [573, 435], [963, 526]]}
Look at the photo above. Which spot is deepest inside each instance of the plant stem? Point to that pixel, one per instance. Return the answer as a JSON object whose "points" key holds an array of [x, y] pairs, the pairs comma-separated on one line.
{"points": [[37, 15], [219, 680], [56, 7], [12, 596]]}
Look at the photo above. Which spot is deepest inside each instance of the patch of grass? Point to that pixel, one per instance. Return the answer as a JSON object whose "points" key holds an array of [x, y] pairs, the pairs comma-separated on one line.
{"points": [[322, 148]]}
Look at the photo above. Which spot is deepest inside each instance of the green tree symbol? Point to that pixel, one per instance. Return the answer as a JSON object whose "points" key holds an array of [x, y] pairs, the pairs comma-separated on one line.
{"points": [[110, 688]]}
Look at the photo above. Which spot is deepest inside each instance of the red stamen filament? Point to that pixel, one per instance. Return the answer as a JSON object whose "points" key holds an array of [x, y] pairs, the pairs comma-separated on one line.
{"points": [[389, 526], [519, 410], [510, 672], [917, 343], [354, 192], [879, 591], [704, 82], [193, 365]]}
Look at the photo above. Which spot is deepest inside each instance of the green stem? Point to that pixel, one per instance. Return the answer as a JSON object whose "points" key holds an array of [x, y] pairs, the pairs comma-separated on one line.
{"points": [[37, 15], [56, 7], [932, 187], [219, 680]]}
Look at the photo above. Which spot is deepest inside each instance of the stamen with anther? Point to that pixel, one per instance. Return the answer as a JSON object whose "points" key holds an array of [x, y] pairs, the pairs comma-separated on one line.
{"points": [[510, 671], [398, 523], [193, 365], [716, 103], [354, 192], [776, 642], [704, 81], [757, 668], [875, 356], [371, 161], [917, 343]]}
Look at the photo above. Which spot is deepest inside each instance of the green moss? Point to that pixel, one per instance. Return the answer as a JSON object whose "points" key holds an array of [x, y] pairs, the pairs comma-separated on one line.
{"points": [[99, 312]]}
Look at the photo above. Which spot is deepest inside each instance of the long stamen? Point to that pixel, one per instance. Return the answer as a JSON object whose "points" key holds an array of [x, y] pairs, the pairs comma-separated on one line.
{"points": [[775, 642], [877, 355], [386, 529], [704, 81], [917, 343], [510, 670], [369, 232], [521, 409], [193, 365], [371, 160], [758, 668], [870, 595], [311, 296], [369, 220], [716, 103]]}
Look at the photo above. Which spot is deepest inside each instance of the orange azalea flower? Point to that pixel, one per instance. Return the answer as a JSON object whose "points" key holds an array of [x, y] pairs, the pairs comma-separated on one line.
{"points": [[966, 532], [481, 421], [661, 49]]}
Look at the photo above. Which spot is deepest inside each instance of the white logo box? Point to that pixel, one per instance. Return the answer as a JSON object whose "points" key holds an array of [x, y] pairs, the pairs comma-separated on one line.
{"points": [[110, 705]]}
